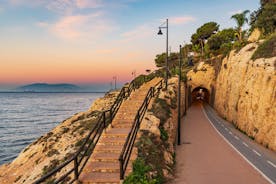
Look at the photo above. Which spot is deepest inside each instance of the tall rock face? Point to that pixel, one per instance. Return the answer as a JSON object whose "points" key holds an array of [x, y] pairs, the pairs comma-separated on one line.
{"points": [[246, 92]]}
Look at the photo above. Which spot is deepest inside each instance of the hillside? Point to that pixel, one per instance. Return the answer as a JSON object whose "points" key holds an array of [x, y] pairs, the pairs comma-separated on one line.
{"points": [[44, 87]]}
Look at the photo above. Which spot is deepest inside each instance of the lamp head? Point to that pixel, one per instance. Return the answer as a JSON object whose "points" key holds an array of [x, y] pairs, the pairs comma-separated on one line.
{"points": [[160, 32]]}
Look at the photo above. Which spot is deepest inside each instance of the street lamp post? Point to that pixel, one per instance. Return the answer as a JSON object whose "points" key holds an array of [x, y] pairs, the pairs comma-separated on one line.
{"points": [[179, 99], [167, 42], [115, 80]]}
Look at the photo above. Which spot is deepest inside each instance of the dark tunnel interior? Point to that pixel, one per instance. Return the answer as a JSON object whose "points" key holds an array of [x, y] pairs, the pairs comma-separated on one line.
{"points": [[200, 94]]}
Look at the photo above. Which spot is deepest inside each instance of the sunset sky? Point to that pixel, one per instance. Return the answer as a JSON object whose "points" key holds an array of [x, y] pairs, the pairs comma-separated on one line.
{"points": [[89, 41]]}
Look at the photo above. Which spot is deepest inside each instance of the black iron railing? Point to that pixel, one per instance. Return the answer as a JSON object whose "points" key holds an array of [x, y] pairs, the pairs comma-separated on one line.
{"points": [[75, 164], [128, 146]]}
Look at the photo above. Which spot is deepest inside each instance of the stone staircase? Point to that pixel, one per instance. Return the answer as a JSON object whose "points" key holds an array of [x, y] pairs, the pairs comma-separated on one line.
{"points": [[103, 165]]}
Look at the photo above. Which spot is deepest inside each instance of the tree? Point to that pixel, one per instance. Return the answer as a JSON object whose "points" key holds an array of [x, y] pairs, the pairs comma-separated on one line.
{"points": [[160, 60], [222, 37], [203, 33], [264, 2], [264, 18], [240, 19]]}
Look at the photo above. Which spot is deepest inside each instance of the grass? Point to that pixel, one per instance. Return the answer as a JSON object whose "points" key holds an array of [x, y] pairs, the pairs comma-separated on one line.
{"points": [[267, 49]]}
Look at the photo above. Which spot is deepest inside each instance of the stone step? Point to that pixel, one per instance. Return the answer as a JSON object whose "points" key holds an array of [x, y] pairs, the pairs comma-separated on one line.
{"points": [[118, 131], [100, 177], [112, 167], [123, 125], [111, 141], [125, 117], [108, 148], [109, 157], [105, 157]]}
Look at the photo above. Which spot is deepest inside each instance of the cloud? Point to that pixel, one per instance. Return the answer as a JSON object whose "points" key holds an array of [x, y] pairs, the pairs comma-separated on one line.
{"points": [[89, 3], [181, 20], [76, 27]]}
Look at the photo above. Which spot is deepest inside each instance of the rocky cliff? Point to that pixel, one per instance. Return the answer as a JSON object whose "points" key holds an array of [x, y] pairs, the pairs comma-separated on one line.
{"points": [[244, 92], [58, 145]]}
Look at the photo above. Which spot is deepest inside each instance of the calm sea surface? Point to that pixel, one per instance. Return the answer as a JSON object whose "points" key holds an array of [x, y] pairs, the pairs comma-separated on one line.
{"points": [[26, 116]]}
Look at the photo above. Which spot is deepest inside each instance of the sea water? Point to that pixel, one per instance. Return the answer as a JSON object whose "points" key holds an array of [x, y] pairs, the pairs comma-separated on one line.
{"points": [[24, 117]]}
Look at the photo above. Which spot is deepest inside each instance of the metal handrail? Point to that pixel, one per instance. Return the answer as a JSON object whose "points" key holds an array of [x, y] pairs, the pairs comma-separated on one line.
{"points": [[128, 146]]}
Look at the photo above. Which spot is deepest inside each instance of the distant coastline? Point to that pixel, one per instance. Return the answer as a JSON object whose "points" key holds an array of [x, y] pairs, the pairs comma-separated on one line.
{"points": [[53, 92]]}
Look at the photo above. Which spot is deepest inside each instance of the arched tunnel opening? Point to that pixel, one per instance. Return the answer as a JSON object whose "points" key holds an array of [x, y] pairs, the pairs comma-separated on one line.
{"points": [[200, 94]]}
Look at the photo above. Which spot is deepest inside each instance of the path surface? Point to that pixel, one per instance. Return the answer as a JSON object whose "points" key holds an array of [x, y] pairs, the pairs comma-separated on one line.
{"points": [[103, 165], [205, 158]]}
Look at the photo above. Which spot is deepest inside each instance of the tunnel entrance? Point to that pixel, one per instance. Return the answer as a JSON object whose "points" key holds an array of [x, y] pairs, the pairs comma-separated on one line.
{"points": [[200, 94]]}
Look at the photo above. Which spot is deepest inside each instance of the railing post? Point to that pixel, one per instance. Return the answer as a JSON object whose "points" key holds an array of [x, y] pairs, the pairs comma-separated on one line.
{"points": [[121, 168], [76, 165], [104, 120], [124, 94]]}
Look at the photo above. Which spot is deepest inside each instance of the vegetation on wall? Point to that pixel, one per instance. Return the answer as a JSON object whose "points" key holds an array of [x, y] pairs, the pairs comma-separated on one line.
{"points": [[148, 167], [266, 49]]}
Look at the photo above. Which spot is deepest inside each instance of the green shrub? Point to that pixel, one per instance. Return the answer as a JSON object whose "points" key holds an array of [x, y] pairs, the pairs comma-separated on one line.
{"points": [[164, 134], [267, 49], [139, 174]]}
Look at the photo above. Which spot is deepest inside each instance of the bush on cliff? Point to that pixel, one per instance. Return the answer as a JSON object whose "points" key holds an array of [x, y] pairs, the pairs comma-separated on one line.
{"points": [[267, 49]]}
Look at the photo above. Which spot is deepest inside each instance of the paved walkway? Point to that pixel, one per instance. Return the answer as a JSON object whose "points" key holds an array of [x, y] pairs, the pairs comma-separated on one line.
{"points": [[205, 158]]}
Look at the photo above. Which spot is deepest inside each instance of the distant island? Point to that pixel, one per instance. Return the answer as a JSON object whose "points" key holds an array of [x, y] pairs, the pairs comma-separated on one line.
{"points": [[44, 87]]}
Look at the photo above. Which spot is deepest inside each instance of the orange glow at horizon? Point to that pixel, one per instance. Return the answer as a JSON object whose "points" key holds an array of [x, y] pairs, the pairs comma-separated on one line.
{"points": [[69, 70]]}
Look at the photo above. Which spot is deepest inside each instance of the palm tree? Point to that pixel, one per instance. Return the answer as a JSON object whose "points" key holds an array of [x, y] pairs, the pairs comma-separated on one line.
{"points": [[240, 19]]}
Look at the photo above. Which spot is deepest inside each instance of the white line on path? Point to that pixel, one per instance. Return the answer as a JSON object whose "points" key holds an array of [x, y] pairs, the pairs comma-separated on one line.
{"points": [[273, 165], [237, 137], [226, 129], [230, 133], [245, 144], [257, 153]]}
